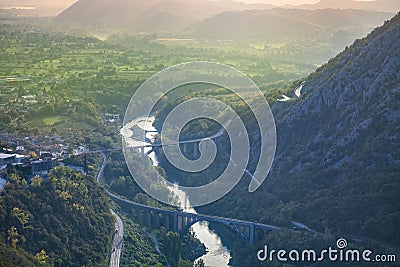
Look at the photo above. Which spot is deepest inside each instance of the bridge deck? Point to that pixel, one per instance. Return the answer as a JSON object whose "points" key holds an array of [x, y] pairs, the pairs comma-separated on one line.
{"points": [[195, 215]]}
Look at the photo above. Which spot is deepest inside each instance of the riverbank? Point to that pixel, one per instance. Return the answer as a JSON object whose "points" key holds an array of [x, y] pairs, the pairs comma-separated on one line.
{"points": [[216, 252]]}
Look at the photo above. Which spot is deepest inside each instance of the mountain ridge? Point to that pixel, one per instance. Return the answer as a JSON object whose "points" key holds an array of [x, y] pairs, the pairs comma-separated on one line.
{"points": [[224, 19], [278, 24], [338, 153], [54, 7], [134, 15], [378, 5]]}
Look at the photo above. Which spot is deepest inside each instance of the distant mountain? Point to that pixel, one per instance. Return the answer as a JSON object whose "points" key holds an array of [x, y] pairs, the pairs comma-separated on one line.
{"points": [[222, 18], [286, 24], [152, 15], [55, 7], [378, 5], [41, 7]]}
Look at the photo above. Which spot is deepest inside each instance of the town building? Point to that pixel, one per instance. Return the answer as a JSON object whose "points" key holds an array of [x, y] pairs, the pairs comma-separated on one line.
{"points": [[6, 159], [42, 167]]}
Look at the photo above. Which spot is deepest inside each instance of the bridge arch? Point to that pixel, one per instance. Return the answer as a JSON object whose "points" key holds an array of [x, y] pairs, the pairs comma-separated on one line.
{"points": [[180, 221], [244, 230]]}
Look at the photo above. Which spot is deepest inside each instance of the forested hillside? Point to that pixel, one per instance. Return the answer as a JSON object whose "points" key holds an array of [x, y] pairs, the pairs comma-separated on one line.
{"points": [[61, 221]]}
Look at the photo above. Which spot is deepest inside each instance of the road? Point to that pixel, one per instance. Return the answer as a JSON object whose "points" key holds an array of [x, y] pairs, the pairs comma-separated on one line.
{"points": [[116, 247], [284, 98], [305, 227], [297, 91]]}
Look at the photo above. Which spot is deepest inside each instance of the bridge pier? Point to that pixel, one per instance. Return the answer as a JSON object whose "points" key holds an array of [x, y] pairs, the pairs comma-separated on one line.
{"points": [[185, 152], [251, 234], [176, 222], [195, 150], [180, 223], [139, 214], [185, 222], [157, 219], [142, 152], [166, 221], [147, 217]]}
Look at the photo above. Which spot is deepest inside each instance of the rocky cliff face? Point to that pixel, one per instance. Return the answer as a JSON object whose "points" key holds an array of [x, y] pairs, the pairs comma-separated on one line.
{"points": [[347, 106], [338, 153]]}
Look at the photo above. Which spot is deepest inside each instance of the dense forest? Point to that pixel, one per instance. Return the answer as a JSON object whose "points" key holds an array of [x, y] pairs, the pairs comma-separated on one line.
{"points": [[63, 220]]}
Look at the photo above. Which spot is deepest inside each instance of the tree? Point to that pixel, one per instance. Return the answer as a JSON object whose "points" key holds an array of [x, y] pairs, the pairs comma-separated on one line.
{"points": [[184, 263], [174, 244], [36, 181], [6, 119], [21, 216], [48, 109], [41, 256], [13, 236], [33, 154]]}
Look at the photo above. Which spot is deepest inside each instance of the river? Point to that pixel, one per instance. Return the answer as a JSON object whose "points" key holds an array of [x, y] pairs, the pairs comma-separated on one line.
{"points": [[2, 183], [217, 254]]}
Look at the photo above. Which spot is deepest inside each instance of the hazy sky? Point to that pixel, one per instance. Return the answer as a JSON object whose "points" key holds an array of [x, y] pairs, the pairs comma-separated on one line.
{"points": [[62, 4], [282, 2], [69, 2], [275, 2], [285, 2]]}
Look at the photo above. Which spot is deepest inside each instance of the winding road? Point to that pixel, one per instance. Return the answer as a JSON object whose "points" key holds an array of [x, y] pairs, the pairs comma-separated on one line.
{"points": [[116, 247], [297, 91]]}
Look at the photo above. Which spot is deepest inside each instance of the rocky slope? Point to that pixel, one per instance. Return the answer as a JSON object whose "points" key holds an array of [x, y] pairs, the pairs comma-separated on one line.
{"points": [[349, 104], [338, 155]]}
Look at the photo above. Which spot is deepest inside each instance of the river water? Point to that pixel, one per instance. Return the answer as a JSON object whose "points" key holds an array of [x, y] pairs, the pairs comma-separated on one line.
{"points": [[2, 183], [217, 254]]}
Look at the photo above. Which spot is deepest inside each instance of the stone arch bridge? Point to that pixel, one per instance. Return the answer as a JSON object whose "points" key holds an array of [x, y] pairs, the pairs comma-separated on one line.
{"points": [[180, 221]]}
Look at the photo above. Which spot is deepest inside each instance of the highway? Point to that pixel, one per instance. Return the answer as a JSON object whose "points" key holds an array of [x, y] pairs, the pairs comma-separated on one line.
{"points": [[116, 247], [298, 88], [297, 92]]}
